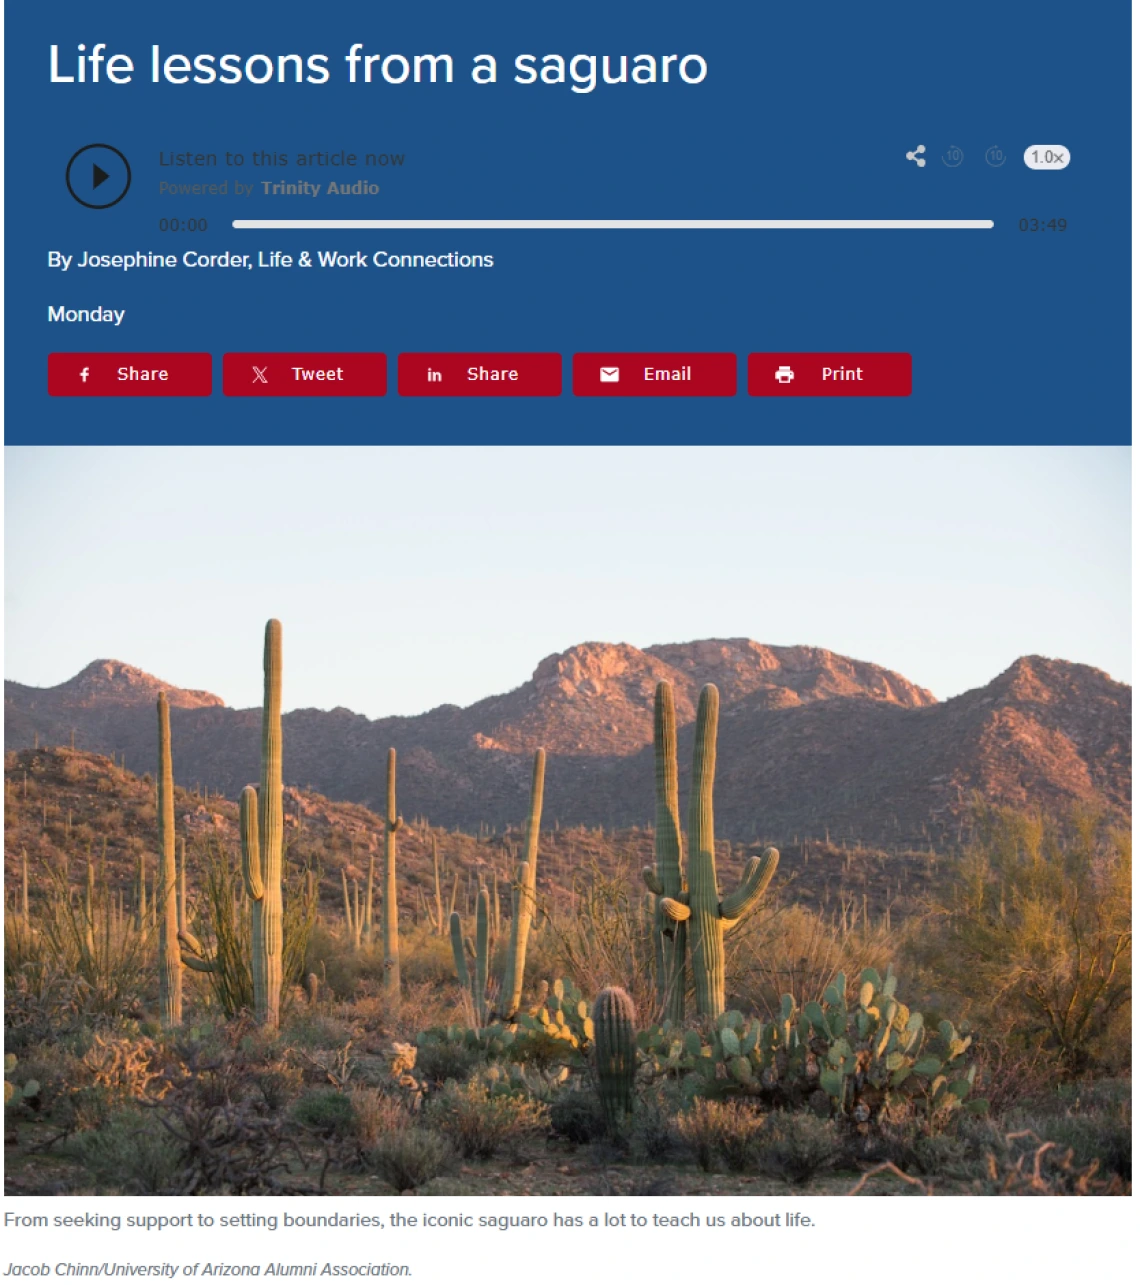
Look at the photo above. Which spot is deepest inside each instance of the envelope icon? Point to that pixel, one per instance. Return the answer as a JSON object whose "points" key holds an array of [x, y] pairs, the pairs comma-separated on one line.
{"points": [[611, 374]]}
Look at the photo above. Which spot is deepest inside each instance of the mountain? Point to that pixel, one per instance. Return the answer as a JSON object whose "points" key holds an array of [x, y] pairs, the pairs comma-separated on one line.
{"points": [[811, 743]]}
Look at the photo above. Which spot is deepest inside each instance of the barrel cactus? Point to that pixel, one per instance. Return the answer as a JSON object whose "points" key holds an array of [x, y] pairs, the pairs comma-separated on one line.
{"points": [[615, 1052], [525, 896], [666, 879], [701, 906], [169, 954]]}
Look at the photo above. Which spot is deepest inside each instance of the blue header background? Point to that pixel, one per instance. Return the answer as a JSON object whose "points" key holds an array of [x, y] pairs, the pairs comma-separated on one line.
{"points": [[806, 112]]}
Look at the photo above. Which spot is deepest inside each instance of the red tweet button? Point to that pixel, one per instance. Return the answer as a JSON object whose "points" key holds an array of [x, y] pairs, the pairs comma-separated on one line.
{"points": [[304, 374]]}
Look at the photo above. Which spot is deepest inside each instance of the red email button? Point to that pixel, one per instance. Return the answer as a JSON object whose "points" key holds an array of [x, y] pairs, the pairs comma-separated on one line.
{"points": [[654, 374]]}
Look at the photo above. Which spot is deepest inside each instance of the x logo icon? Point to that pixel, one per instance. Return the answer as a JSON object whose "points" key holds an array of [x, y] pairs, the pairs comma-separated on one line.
{"points": [[259, 375]]}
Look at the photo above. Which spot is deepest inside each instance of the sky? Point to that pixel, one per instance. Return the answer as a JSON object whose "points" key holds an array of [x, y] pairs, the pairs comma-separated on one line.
{"points": [[408, 577]]}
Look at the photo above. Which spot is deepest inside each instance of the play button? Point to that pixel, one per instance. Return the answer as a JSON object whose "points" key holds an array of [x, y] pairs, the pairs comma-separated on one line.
{"points": [[98, 176]]}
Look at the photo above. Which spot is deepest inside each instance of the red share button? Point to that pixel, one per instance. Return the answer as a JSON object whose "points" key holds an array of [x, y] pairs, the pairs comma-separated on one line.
{"points": [[829, 374], [304, 374], [130, 374], [654, 374], [479, 374]]}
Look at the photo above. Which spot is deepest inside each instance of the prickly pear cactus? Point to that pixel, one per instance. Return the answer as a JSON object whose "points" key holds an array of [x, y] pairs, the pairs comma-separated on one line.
{"points": [[855, 1061], [16, 1094], [615, 1052]]}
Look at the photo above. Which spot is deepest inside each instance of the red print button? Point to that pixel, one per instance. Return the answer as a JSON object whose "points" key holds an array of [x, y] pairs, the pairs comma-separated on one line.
{"points": [[130, 374], [304, 374], [479, 374], [829, 374], [654, 374]]}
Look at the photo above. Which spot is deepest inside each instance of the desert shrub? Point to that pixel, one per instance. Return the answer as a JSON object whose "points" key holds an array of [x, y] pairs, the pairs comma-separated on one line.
{"points": [[1021, 1163], [130, 1153], [309, 1028], [375, 1115], [1036, 933], [333, 960], [408, 1158], [73, 960], [426, 957], [720, 1132], [577, 1116], [444, 1054], [129, 1066], [327, 1112], [603, 938], [653, 1128], [798, 951], [278, 1083], [229, 1144], [1102, 1135], [224, 925], [480, 1122], [796, 1146], [956, 1155]]}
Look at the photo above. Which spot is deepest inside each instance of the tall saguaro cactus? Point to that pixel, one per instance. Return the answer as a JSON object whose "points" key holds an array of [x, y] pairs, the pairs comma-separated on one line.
{"points": [[669, 935], [392, 823], [262, 836], [474, 979], [707, 914], [511, 994], [169, 953]]}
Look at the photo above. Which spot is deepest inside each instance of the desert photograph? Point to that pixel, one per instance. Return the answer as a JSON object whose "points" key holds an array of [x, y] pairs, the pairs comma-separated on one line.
{"points": [[562, 822]]}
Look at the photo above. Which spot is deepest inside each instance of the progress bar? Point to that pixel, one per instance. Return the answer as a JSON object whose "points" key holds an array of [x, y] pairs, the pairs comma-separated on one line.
{"points": [[672, 225]]}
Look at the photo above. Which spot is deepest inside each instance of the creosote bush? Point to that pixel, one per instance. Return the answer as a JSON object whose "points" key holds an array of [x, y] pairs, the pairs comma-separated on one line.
{"points": [[480, 1122], [795, 1147], [130, 1153], [328, 1112], [407, 1158], [721, 1133], [577, 1116]]}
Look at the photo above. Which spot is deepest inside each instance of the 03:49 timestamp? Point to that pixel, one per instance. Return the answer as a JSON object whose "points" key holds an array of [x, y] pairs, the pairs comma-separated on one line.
{"points": [[1042, 225], [182, 225]]}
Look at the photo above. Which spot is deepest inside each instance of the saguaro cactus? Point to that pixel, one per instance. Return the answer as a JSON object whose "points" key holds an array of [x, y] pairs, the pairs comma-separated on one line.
{"points": [[438, 921], [526, 895], [262, 833], [474, 978], [354, 925], [140, 895], [169, 954], [615, 1051], [708, 916], [392, 823], [669, 935]]}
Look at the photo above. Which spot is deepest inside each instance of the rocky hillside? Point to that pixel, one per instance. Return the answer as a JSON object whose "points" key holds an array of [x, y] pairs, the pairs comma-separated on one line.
{"points": [[812, 744]]}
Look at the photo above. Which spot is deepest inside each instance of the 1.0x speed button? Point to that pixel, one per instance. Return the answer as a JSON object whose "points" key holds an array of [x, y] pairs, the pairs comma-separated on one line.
{"points": [[1041, 156]]}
